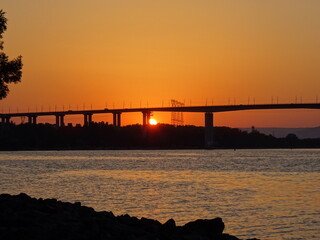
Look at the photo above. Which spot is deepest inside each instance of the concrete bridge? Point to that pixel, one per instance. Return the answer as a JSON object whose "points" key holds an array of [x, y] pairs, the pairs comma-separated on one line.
{"points": [[146, 113]]}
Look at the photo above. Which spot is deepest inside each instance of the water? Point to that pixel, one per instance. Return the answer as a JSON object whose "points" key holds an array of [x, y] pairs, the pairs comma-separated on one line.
{"points": [[267, 194]]}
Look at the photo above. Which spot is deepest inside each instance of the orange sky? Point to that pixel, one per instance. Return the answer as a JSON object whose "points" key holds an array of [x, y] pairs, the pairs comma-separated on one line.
{"points": [[126, 53]]}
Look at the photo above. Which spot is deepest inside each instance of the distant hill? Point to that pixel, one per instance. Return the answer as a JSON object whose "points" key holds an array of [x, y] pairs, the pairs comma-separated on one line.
{"points": [[301, 133]]}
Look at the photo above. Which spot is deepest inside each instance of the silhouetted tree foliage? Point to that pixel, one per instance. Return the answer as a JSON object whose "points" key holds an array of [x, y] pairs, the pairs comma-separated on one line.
{"points": [[163, 136], [292, 139], [10, 71]]}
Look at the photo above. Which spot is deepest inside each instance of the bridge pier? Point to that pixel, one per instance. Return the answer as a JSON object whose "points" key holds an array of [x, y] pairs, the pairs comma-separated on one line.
{"points": [[114, 119], [60, 120], [90, 119], [5, 120], [208, 130], [87, 119], [32, 119], [146, 118], [57, 121], [117, 119]]}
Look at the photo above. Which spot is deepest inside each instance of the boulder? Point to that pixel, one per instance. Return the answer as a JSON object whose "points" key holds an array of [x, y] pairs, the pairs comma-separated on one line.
{"points": [[24, 218], [212, 228]]}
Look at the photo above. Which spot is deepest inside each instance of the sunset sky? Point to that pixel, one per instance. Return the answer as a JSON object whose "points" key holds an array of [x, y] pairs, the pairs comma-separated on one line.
{"points": [[115, 53]]}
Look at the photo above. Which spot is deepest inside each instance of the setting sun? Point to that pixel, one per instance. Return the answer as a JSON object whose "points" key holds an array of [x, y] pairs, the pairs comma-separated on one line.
{"points": [[153, 122]]}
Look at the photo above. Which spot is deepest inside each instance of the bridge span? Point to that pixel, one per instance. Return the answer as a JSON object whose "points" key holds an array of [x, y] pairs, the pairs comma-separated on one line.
{"points": [[146, 113]]}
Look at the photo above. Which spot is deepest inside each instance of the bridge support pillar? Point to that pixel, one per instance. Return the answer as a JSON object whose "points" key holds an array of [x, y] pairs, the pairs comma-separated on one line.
{"points": [[7, 119], [60, 120], [90, 119], [32, 119], [57, 121], [114, 115], [87, 119], [208, 130], [117, 119], [146, 118]]}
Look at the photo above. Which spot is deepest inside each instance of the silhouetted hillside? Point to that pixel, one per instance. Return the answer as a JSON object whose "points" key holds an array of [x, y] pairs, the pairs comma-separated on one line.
{"points": [[162, 136], [283, 132]]}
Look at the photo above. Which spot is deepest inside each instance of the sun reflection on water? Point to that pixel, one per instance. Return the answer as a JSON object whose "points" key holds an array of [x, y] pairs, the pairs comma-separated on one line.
{"points": [[254, 198]]}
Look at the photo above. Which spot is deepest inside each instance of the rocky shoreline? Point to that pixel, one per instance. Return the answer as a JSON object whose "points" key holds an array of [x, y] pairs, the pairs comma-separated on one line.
{"points": [[23, 217]]}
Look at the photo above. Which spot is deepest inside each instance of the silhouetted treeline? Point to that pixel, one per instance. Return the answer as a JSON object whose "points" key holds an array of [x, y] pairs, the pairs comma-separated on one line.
{"points": [[162, 136]]}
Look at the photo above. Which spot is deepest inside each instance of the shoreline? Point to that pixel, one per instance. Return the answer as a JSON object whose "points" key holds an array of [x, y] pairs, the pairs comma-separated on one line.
{"points": [[102, 136], [24, 217]]}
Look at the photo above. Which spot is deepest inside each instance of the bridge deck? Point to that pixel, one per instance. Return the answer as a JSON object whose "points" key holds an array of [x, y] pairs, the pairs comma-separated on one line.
{"points": [[203, 109]]}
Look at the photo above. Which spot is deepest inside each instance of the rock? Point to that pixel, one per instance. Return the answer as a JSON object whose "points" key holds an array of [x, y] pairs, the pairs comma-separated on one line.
{"points": [[23, 217], [211, 228], [150, 225], [228, 237], [169, 225]]}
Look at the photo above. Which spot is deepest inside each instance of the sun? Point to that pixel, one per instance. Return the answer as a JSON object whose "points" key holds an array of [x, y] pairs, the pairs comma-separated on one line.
{"points": [[153, 121]]}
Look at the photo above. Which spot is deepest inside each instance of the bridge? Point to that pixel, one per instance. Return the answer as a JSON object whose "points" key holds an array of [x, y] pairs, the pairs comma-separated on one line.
{"points": [[146, 113]]}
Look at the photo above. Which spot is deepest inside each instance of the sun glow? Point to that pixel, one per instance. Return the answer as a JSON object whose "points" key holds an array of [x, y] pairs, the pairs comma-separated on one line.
{"points": [[153, 121]]}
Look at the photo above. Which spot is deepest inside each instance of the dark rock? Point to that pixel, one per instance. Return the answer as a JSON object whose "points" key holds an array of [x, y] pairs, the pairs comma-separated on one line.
{"points": [[24, 196], [23, 217], [169, 225], [105, 214], [228, 237], [211, 228], [150, 225]]}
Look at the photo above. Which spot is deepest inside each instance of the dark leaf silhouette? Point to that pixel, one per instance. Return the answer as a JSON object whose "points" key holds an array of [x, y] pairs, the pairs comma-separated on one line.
{"points": [[10, 70]]}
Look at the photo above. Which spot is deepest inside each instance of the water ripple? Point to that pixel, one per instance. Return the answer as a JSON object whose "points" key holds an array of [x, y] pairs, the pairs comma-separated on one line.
{"points": [[267, 194]]}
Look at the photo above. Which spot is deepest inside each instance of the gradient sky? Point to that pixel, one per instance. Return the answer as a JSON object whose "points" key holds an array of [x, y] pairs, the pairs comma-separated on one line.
{"points": [[140, 52]]}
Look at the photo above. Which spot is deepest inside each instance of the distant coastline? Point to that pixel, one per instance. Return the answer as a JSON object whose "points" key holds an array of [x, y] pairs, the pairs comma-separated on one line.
{"points": [[101, 136], [282, 132]]}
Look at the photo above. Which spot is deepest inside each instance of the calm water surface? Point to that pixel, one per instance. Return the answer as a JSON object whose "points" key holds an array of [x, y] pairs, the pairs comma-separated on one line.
{"points": [[268, 194]]}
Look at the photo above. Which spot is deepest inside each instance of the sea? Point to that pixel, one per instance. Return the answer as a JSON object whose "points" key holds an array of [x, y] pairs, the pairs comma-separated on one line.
{"points": [[267, 194]]}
